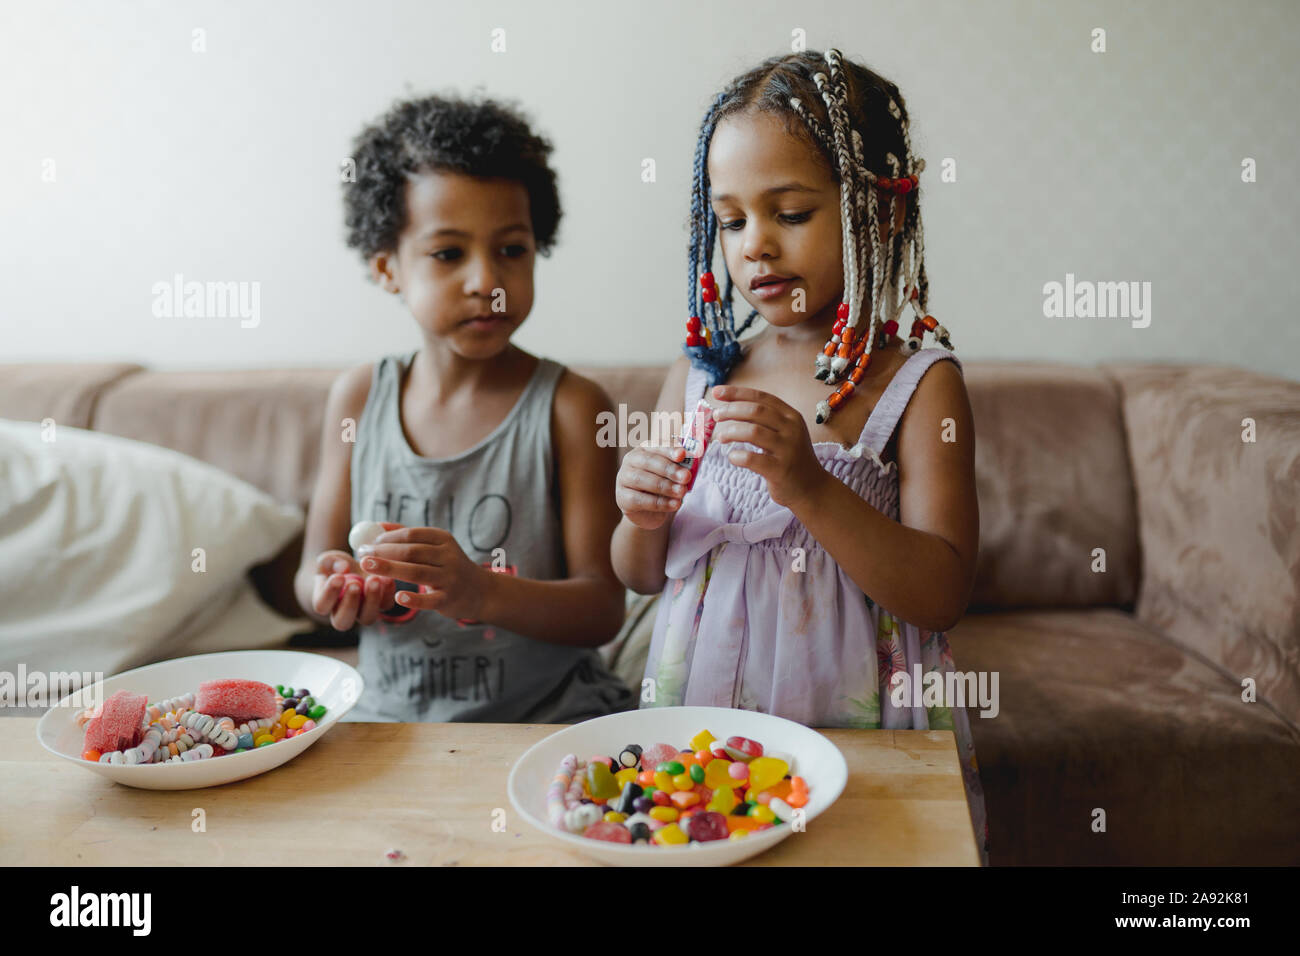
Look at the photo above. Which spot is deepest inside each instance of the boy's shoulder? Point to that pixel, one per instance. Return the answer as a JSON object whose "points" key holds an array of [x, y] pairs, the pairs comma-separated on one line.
{"points": [[578, 397], [351, 388]]}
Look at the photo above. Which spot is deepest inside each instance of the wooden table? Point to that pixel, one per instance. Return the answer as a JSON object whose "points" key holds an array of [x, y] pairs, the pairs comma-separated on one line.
{"points": [[431, 790]]}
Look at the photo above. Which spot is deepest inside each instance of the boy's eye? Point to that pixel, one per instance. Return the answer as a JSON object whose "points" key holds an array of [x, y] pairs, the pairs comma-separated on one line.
{"points": [[446, 255], [514, 252]]}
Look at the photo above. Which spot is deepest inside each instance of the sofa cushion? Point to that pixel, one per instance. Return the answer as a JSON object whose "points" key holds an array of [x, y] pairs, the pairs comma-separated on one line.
{"points": [[65, 392], [262, 425], [1096, 710], [1052, 475], [1220, 517]]}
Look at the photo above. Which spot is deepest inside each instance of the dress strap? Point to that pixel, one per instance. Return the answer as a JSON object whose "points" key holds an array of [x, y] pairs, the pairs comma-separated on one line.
{"points": [[889, 409], [697, 380]]}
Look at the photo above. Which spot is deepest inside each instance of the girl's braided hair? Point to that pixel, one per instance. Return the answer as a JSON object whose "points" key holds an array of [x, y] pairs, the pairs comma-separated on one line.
{"points": [[857, 122]]}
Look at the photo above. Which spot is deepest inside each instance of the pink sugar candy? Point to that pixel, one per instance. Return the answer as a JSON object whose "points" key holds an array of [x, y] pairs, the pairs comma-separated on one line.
{"points": [[119, 725], [610, 832], [240, 700], [656, 754]]}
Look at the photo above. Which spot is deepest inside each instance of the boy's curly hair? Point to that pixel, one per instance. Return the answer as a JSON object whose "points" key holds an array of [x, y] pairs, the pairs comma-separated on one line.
{"points": [[476, 136]]}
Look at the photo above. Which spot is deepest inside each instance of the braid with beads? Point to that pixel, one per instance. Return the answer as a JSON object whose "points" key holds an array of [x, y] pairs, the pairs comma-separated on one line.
{"points": [[897, 274]]}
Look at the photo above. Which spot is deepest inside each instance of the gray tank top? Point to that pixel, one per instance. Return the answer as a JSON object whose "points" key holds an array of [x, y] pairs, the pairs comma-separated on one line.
{"points": [[500, 494]]}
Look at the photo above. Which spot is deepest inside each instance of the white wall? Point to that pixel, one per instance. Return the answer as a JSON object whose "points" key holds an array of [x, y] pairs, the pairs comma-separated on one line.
{"points": [[223, 165]]}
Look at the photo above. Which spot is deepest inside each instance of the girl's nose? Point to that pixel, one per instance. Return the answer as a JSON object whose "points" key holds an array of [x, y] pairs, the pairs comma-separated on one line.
{"points": [[758, 243]]}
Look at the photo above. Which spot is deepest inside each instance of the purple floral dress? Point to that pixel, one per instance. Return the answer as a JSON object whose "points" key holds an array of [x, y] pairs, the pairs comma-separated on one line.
{"points": [[757, 615]]}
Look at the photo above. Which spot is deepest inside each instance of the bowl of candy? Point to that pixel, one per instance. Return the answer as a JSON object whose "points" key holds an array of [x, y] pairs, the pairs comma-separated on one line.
{"points": [[677, 786], [201, 721]]}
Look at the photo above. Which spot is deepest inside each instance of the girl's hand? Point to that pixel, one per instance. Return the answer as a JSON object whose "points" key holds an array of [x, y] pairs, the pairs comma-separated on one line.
{"points": [[650, 484], [338, 591], [788, 461], [430, 556]]}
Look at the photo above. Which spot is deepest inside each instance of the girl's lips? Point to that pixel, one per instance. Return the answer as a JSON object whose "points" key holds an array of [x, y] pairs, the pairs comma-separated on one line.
{"points": [[774, 290]]}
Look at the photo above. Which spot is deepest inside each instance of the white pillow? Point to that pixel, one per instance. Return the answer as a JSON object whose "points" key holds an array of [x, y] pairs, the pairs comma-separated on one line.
{"points": [[98, 570]]}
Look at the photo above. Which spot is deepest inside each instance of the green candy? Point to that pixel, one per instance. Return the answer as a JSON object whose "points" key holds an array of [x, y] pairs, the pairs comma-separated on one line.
{"points": [[266, 743], [309, 701], [601, 782], [697, 773], [317, 712], [649, 792], [671, 767], [279, 689]]}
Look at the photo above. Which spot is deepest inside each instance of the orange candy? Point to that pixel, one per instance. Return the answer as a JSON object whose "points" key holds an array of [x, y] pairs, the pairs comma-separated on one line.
{"points": [[702, 757], [735, 823], [687, 760], [91, 754], [684, 798], [646, 778]]}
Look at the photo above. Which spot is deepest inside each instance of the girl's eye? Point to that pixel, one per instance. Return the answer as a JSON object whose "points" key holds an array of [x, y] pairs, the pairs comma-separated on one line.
{"points": [[514, 252], [734, 224], [446, 255], [796, 216]]}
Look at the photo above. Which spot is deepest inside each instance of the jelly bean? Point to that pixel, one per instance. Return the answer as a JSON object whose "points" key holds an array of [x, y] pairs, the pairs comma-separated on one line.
{"points": [[600, 782], [642, 804], [646, 778], [240, 750], [291, 732], [738, 834], [735, 823], [302, 709], [667, 814], [708, 825], [279, 689], [671, 835], [683, 781], [258, 739], [763, 797], [630, 756], [297, 720], [670, 767], [317, 712], [723, 800], [625, 776], [653, 756], [716, 775], [93, 754], [702, 740], [782, 809], [292, 702], [303, 692], [663, 781], [266, 742], [613, 816], [762, 813], [628, 798], [286, 715], [686, 759], [738, 771], [742, 748], [610, 833], [765, 772], [741, 808], [286, 691], [661, 798], [246, 741], [697, 773], [685, 798], [702, 757], [310, 725], [639, 832]]}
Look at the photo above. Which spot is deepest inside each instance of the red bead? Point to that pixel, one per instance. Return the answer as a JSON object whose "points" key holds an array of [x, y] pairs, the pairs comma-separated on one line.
{"points": [[693, 324], [891, 327], [884, 182], [838, 327], [843, 311], [706, 280], [904, 186], [709, 295]]}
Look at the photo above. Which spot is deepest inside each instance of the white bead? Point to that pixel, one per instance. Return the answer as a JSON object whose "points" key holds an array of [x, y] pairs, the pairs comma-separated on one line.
{"points": [[782, 809], [364, 533], [581, 817]]}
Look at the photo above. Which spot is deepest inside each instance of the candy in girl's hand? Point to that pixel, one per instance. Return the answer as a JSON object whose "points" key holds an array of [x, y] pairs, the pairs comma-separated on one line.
{"points": [[363, 534], [695, 438]]}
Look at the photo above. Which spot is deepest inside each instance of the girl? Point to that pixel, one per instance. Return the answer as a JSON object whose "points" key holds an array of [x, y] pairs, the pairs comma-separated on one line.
{"points": [[476, 456], [827, 541]]}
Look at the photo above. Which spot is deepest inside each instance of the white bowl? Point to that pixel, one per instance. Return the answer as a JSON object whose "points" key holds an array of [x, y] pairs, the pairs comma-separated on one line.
{"points": [[332, 682], [817, 760]]}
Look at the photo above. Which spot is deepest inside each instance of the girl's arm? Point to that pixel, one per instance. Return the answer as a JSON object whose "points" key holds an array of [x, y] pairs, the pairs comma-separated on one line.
{"points": [[639, 556], [587, 608], [921, 568]]}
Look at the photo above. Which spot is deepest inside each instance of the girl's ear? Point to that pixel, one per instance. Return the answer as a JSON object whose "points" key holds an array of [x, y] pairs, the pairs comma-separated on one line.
{"points": [[383, 270]]}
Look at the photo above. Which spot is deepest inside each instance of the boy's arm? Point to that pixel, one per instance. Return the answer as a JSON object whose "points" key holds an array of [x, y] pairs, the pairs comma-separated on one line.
{"points": [[639, 556], [330, 513], [588, 607], [922, 567]]}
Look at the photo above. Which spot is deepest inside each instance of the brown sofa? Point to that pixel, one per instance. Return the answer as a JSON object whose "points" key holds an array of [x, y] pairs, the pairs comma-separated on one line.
{"points": [[1138, 588]]}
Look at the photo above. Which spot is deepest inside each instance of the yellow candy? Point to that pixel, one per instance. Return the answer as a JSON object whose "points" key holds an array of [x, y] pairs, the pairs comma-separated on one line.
{"points": [[763, 814], [615, 817], [297, 720], [683, 781], [738, 834], [702, 740], [670, 835], [716, 776], [724, 801], [766, 772], [625, 776], [664, 782], [288, 712], [260, 737], [666, 814]]}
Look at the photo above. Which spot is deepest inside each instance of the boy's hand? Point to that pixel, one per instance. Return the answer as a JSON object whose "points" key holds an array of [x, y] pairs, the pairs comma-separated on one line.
{"points": [[338, 591], [430, 556], [650, 484], [788, 460]]}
